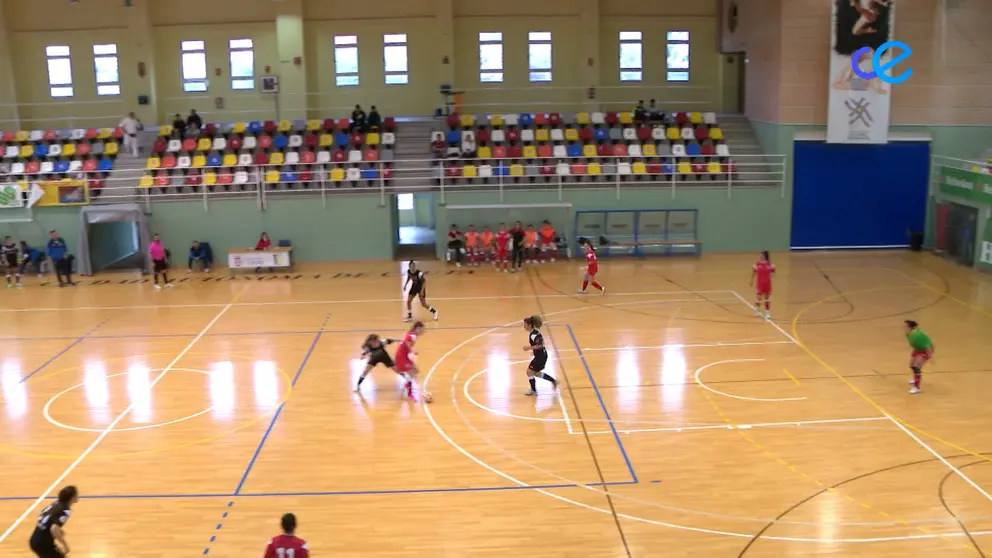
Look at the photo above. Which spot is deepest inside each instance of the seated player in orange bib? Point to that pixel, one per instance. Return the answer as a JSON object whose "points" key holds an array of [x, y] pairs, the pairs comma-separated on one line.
{"points": [[530, 244], [488, 244], [546, 243], [473, 251]]}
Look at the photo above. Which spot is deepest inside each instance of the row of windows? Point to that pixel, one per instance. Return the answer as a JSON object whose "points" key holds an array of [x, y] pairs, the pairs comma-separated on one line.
{"points": [[395, 57]]}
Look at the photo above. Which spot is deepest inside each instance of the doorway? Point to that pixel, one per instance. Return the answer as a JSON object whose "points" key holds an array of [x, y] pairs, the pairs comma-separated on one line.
{"points": [[732, 82], [416, 231], [115, 246]]}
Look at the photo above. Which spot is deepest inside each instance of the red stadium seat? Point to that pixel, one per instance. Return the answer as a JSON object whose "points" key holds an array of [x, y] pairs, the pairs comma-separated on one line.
{"points": [[91, 133], [389, 124], [578, 167], [270, 126], [194, 179], [82, 149], [306, 175], [586, 135], [311, 140], [512, 135], [308, 157], [554, 119], [453, 120], [541, 119], [619, 150], [548, 168], [515, 152], [605, 150], [261, 158], [169, 162], [371, 154], [453, 171], [339, 156], [701, 133], [90, 165], [499, 152], [225, 177], [118, 133], [544, 152], [482, 136], [189, 144], [681, 118], [34, 167], [387, 172], [210, 129], [159, 146], [611, 119], [644, 133], [234, 143], [357, 138], [162, 179], [699, 167], [264, 141], [329, 125], [344, 123], [50, 135], [8, 137], [708, 149], [654, 167]]}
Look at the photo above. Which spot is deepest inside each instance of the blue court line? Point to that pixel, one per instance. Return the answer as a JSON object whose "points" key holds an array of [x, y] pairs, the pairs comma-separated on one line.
{"points": [[78, 340], [396, 492], [606, 412], [240, 333]]}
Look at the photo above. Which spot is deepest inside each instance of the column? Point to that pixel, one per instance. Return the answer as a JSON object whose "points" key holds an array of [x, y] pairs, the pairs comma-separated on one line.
{"points": [[589, 31], [292, 69], [9, 118], [141, 52]]}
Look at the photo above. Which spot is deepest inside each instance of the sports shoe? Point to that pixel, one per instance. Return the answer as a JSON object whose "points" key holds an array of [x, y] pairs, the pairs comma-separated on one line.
{"points": [[768, 315], [530, 393], [435, 316], [169, 285], [757, 311], [914, 390], [19, 285], [157, 287], [604, 291], [912, 382], [580, 291]]}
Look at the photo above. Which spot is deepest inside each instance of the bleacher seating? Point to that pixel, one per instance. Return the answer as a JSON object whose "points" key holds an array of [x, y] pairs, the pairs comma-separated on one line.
{"points": [[286, 153], [59, 154], [582, 147]]}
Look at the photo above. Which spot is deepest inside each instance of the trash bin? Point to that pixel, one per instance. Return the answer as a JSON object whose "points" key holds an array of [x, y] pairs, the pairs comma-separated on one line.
{"points": [[915, 241]]}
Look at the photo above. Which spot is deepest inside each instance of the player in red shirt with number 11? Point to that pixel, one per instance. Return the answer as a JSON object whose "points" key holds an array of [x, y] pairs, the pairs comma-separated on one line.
{"points": [[762, 270], [287, 545], [592, 267]]}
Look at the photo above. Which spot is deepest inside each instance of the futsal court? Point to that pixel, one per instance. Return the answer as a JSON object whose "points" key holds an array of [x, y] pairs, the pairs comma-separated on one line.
{"points": [[192, 418]]}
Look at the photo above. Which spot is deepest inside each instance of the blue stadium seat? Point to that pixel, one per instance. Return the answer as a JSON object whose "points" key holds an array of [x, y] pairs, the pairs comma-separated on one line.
{"points": [[600, 134], [526, 120], [341, 139], [453, 137], [288, 175], [105, 165], [369, 173], [693, 150], [502, 170], [41, 150], [254, 127], [280, 142], [62, 165], [574, 150], [214, 160]]}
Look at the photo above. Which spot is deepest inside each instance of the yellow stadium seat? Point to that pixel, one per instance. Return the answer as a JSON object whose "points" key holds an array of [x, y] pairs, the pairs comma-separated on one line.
{"points": [[22, 136], [272, 175], [594, 168], [716, 134], [496, 120], [27, 150], [467, 120], [326, 140], [469, 171], [695, 118], [542, 134], [239, 128], [277, 158], [230, 160], [111, 148], [105, 133], [146, 181], [672, 134], [485, 152], [153, 163], [685, 168], [314, 125], [626, 118], [713, 167], [337, 174], [639, 167], [165, 130], [571, 134], [516, 169], [588, 150], [68, 150], [199, 161], [372, 138], [976, 168], [285, 125], [530, 152], [210, 178], [204, 144], [649, 150], [582, 118]]}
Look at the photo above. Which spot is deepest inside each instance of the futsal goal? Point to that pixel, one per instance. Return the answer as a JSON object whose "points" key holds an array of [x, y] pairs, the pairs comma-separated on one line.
{"points": [[640, 232]]}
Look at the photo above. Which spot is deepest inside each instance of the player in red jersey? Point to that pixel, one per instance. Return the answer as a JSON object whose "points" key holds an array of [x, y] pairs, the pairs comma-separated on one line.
{"points": [[592, 267], [404, 357], [287, 545], [762, 270], [502, 248]]}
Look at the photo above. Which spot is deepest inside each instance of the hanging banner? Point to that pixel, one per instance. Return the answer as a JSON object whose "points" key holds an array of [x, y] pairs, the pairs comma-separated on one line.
{"points": [[859, 98], [985, 248], [975, 186], [64, 192], [19, 195]]}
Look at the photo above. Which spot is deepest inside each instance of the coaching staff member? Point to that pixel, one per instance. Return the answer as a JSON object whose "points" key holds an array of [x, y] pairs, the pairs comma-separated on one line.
{"points": [[61, 259]]}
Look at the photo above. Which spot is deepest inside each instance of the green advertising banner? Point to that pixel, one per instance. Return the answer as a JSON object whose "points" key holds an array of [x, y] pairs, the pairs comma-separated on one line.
{"points": [[967, 184], [985, 248]]}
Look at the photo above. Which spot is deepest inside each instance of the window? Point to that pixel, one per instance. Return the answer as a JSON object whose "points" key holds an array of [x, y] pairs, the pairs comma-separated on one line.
{"points": [[395, 58], [108, 77], [194, 66], [539, 55], [631, 63], [404, 202], [242, 52], [678, 56], [491, 57], [59, 71], [346, 60]]}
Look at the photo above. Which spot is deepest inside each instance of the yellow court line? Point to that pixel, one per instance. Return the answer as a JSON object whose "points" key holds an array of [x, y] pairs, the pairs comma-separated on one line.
{"points": [[948, 296], [802, 345], [791, 377]]}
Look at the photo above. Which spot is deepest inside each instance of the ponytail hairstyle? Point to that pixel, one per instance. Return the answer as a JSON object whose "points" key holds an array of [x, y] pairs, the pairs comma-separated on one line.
{"points": [[67, 497], [372, 338], [583, 241], [417, 325], [534, 321], [764, 254], [911, 324]]}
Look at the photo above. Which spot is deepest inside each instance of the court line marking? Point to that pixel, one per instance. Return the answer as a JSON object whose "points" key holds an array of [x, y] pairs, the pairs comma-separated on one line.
{"points": [[699, 380], [744, 426], [360, 301], [685, 345], [46, 410], [78, 340], [72, 466], [791, 377]]}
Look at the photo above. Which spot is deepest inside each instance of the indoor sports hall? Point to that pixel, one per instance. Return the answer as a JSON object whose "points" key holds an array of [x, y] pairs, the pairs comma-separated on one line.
{"points": [[207, 207]]}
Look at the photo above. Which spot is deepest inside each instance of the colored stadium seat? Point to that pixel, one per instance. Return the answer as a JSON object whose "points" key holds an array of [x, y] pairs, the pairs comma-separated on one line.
{"points": [[271, 176], [184, 162], [588, 150], [204, 144], [277, 158], [199, 161], [146, 181], [716, 134], [295, 141], [89, 165], [250, 142], [55, 150], [220, 144]]}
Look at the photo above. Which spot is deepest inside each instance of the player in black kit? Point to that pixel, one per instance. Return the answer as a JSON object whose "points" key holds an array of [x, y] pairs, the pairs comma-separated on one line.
{"points": [[51, 526], [417, 282], [535, 345], [374, 349], [9, 253]]}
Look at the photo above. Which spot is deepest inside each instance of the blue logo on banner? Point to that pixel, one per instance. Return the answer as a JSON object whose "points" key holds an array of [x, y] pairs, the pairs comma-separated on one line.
{"points": [[881, 68]]}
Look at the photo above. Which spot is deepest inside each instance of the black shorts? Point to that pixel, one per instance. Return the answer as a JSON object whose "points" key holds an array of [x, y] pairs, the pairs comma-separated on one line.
{"points": [[383, 359], [160, 265], [538, 363], [11, 260], [45, 549], [418, 290]]}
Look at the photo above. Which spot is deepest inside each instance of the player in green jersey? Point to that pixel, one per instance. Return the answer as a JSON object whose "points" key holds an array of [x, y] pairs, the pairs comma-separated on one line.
{"points": [[922, 352]]}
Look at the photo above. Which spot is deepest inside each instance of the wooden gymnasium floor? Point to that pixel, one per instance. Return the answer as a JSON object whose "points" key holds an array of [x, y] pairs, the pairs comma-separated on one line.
{"points": [[191, 419]]}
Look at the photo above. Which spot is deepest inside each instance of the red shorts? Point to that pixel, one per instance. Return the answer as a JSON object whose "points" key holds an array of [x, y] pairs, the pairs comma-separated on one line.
{"points": [[593, 269], [764, 289], [502, 254], [919, 354], [403, 363]]}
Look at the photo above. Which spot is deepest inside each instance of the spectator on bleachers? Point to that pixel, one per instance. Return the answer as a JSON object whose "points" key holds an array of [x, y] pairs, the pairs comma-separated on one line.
{"points": [[375, 119], [358, 118], [468, 147], [198, 253], [130, 125], [438, 147], [640, 113], [179, 126], [194, 123], [654, 113]]}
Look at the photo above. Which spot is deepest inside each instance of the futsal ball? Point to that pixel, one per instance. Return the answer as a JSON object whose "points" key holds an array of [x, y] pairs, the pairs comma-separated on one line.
{"points": [[428, 398]]}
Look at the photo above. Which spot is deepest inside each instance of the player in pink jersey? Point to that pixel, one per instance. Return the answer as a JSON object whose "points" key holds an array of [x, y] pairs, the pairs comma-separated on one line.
{"points": [[404, 357], [287, 545], [762, 270], [592, 267]]}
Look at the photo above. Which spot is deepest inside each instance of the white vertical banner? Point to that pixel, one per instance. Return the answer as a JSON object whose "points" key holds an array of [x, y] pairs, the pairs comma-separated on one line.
{"points": [[859, 101]]}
